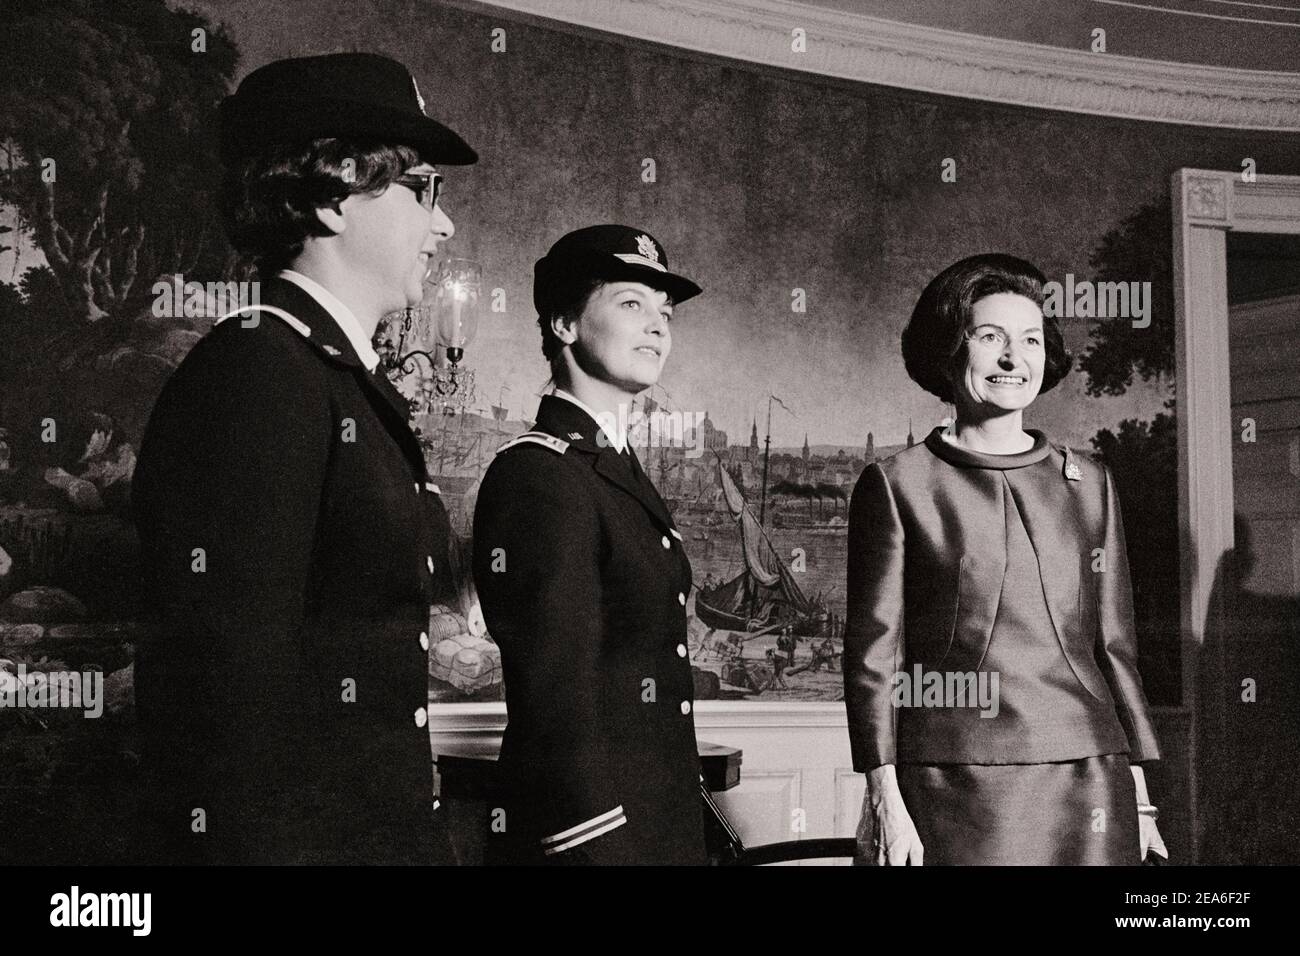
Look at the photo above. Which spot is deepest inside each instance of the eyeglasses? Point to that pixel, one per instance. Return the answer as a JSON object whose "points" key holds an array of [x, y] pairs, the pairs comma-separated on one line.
{"points": [[426, 186]]}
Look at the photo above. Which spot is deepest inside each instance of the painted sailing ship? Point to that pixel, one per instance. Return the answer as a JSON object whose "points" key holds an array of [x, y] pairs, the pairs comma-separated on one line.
{"points": [[764, 597]]}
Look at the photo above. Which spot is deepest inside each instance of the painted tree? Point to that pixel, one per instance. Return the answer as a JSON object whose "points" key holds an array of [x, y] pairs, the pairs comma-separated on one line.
{"points": [[107, 141], [1143, 455], [1139, 249]]}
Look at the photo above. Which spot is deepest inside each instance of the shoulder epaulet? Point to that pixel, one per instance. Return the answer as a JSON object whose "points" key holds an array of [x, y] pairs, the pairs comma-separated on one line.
{"points": [[557, 445], [295, 324]]}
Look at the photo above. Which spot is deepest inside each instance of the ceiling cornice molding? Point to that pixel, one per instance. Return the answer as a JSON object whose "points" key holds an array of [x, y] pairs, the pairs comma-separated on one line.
{"points": [[868, 49]]}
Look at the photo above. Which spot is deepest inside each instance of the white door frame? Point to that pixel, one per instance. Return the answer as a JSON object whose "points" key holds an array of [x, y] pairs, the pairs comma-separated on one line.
{"points": [[1206, 205]]}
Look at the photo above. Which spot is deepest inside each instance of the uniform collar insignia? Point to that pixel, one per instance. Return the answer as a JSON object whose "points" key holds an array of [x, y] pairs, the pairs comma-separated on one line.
{"points": [[563, 419], [316, 322]]}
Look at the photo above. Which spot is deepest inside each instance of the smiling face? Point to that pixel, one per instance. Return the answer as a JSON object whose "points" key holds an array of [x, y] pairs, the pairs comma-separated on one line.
{"points": [[392, 240], [623, 336], [1005, 355]]}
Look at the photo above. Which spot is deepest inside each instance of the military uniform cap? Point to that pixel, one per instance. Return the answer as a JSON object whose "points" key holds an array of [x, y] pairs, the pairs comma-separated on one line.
{"points": [[351, 95], [610, 252]]}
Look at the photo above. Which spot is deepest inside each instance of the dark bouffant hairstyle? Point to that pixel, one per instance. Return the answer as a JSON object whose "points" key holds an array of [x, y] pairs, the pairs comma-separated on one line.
{"points": [[934, 342], [269, 199]]}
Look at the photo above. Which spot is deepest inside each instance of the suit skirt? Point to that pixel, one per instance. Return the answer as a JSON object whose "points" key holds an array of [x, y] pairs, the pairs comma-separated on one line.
{"points": [[1073, 813]]}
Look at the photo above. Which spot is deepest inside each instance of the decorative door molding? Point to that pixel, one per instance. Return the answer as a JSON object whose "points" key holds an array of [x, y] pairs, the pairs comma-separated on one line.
{"points": [[1206, 205]]}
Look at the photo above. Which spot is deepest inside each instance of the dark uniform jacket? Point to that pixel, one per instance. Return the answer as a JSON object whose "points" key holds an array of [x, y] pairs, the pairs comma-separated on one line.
{"points": [[926, 562], [292, 546], [583, 582]]}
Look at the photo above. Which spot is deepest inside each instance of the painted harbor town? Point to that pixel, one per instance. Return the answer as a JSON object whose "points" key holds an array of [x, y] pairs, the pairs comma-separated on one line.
{"points": [[765, 529]]}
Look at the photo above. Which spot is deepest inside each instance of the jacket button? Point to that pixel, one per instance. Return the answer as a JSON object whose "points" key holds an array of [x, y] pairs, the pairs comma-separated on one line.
{"points": [[665, 542], [681, 599], [421, 717], [686, 707], [681, 650], [429, 561], [424, 641]]}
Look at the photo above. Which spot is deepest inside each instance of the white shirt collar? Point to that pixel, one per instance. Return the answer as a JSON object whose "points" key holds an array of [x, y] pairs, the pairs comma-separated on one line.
{"points": [[339, 312], [617, 437]]}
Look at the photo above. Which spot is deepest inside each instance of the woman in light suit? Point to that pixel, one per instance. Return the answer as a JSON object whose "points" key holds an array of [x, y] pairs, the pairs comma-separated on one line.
{"points": [[990, 659]]}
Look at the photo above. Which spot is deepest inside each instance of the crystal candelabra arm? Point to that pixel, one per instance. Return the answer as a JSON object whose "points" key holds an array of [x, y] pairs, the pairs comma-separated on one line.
{"points": [[404, 361], [449, 381]]}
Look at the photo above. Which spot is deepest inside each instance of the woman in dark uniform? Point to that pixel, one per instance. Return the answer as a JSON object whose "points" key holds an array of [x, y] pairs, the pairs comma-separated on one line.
{"points": [[292, 541], [990, 658], [583, 581]]}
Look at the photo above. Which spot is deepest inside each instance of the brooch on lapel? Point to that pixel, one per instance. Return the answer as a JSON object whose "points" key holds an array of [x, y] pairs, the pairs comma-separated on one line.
{"points": [[331, 350], [1072, 470], [575, 436]]}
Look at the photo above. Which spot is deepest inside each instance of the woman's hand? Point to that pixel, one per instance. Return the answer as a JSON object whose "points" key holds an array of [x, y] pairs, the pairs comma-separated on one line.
{"points": [[886, 835], [1149, 837], [1148, 833]]}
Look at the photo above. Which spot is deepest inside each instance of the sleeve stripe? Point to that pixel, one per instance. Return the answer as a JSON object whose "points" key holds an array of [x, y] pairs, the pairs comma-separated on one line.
{"points": [[581, 828], [588, 835]]}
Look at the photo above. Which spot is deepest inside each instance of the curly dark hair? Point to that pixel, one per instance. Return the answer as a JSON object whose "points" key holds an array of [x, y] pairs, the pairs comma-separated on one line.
{"points": [[934, 341], [269, 199]]}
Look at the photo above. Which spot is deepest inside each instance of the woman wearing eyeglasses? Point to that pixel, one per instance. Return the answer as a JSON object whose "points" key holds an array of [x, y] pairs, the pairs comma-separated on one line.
{"points": [[292, 540], [990, 665]]}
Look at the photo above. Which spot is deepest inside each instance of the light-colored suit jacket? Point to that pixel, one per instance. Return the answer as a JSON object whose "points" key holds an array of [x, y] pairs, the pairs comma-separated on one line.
{"points": [[927, 554]]}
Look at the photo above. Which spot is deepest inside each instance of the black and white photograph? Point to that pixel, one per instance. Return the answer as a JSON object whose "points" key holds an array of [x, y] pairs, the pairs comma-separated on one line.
{"points": [[650, 432]]}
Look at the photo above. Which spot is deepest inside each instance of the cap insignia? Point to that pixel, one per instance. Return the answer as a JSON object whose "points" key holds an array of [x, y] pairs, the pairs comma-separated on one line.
{"points": [[646, 247]]}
